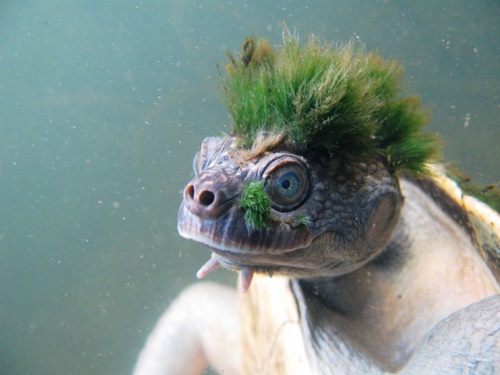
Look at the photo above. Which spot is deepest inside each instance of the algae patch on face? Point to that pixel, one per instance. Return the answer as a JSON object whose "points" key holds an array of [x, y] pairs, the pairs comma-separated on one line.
{"points": [[256, 204]]}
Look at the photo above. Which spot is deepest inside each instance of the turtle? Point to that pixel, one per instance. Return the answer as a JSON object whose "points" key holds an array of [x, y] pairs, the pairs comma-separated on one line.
{"points": [[357, 252]]}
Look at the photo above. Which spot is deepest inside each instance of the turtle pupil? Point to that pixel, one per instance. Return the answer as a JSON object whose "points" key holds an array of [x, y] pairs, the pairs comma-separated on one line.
{"points": [[285, 184]]}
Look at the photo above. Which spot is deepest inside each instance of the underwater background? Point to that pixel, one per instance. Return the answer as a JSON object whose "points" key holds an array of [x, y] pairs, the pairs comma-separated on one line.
{"points": [[103, 107]]}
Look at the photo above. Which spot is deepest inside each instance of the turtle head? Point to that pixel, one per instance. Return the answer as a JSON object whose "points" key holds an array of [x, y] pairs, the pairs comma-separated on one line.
{"points": [[307, 183], [278, 211]]}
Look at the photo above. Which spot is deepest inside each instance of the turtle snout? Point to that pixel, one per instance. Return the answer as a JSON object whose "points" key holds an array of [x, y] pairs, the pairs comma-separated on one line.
{"points": [[204, 198], [208, 197]]}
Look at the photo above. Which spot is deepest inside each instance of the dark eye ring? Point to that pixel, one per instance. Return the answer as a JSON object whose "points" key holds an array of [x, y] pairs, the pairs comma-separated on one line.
{"points": [[287, 185]]}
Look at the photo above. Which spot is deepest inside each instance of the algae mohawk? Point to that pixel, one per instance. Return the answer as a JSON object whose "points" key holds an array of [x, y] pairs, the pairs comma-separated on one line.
{"points": [[324, 99]]}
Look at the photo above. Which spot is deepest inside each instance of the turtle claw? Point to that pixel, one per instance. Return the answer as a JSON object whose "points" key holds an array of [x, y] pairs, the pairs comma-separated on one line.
{"points": [[208, 267], [246, 278]]}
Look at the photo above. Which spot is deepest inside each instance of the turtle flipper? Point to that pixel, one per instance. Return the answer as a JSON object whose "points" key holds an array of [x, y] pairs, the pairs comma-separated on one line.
{"points": [[198, 329], [467, 339]]}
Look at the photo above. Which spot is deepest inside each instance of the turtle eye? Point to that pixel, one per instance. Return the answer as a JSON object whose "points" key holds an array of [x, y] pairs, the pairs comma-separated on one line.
{"points": [[287, 186]]}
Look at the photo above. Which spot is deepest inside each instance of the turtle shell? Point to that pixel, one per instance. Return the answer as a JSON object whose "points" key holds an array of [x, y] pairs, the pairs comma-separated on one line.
{"points": [[274, 338], [480, 220]]}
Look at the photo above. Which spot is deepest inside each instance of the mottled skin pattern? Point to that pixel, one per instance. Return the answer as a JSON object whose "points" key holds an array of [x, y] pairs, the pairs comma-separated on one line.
{"points": [[384, 279]]}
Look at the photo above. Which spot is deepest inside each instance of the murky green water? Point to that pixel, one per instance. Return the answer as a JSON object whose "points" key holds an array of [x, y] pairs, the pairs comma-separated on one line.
{"points": [[105, 103]]}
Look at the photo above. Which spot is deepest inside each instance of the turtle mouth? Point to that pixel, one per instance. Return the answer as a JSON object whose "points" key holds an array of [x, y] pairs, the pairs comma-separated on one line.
{"points": [[260, 261], [230, 237], [235, 255], [270, 250], [245, 264], [287, 263]]}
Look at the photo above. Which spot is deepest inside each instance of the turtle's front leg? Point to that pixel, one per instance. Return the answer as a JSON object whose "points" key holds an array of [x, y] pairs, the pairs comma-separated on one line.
{"points": [[200, 328], [468, 339]]}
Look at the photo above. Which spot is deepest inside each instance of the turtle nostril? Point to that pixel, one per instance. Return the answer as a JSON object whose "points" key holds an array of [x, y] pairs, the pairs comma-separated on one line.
{"points": [[190, 191], [207, 198], [197, 196]]}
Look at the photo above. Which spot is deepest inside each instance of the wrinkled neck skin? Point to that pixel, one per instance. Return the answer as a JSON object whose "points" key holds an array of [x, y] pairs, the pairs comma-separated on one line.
{"points": [[387, 306]]}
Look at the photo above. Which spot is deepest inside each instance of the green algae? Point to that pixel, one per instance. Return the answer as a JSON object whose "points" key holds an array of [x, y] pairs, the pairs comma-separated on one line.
{"points": [[333, 100], [256, 204], [488, 194]]}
